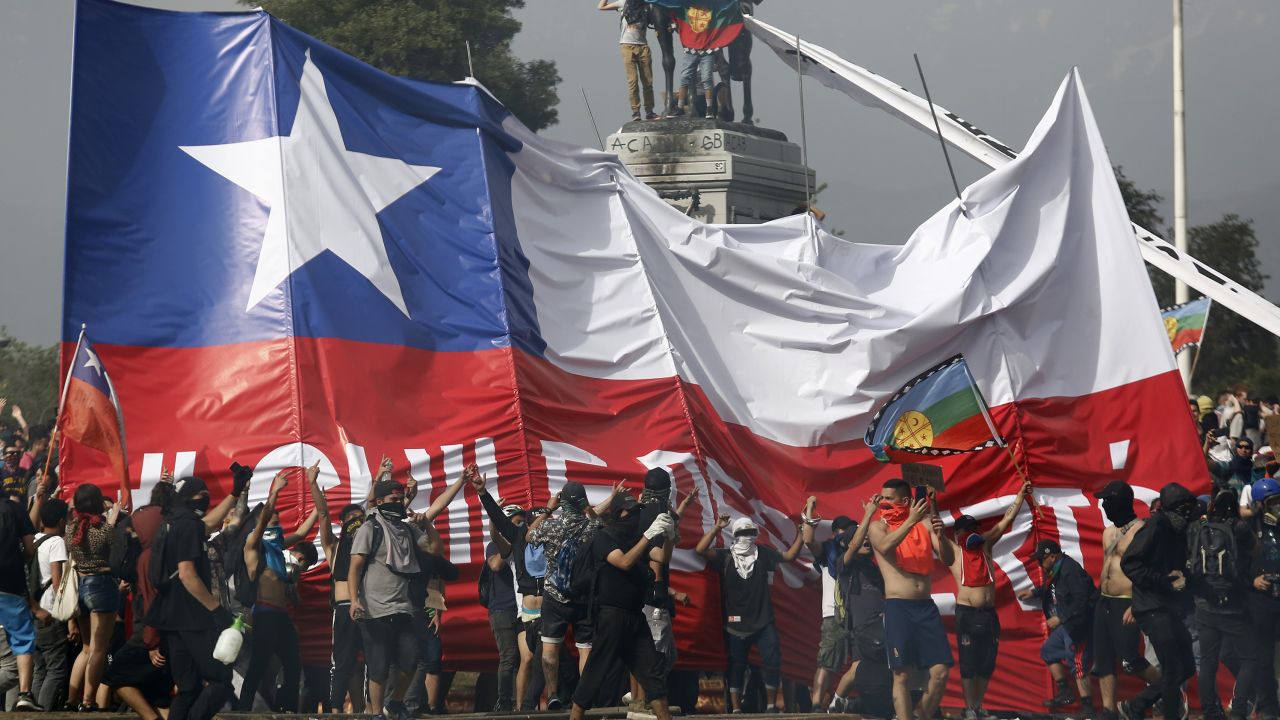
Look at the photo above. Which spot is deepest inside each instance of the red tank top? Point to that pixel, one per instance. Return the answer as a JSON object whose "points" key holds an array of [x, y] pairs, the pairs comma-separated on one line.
{"points": [[975, 569]]}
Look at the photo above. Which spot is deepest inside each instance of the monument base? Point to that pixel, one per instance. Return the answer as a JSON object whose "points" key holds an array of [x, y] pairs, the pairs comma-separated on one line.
{"points": [[716, 171]]}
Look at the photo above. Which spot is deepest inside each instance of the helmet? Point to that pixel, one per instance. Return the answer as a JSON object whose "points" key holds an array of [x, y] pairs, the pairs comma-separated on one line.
{"points": [[1263, 489]]}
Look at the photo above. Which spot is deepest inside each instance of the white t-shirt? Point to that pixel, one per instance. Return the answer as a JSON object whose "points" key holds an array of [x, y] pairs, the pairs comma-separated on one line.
{"points": [[828, 593], [50, 551], [632, 34], [1246, 495]]}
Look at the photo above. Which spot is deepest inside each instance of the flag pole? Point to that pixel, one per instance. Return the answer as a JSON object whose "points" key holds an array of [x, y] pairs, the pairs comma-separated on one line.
{"points": [[1196, 360], [938, 128], [991, 426], [804, 142], [592, 116], [62, 399]]}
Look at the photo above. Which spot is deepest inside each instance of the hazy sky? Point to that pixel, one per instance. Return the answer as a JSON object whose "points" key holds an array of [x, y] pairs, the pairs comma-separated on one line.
{"points": [[997, 63]]}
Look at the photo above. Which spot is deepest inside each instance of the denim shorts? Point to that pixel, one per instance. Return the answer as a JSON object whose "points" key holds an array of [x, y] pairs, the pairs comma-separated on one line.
{"points": [[699, 67], [99, 593]]}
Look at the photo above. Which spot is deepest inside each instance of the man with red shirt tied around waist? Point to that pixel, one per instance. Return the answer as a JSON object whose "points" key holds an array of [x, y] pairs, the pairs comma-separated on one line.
{"points": [[913, 632], [977, 624]]}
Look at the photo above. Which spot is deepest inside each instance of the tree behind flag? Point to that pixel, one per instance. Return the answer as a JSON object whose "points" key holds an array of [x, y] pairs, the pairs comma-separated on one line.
{"points": [[90, 416], [940, 412]]}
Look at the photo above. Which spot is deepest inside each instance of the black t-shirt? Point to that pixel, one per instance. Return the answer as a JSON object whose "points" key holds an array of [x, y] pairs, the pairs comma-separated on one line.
{"points": [[175, 608], [617, 588], [864, 596], [502, 585], [746, 602], [13, 564]]}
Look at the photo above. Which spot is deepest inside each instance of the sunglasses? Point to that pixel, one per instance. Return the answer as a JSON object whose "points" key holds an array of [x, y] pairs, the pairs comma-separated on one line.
{"points": [[1244, 447]]}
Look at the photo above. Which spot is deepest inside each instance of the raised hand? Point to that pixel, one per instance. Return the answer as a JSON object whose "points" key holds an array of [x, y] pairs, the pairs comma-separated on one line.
{"points": [[240, 477], [280, 481], [722, 522], [313, 473], [870, 507], [166, 474], [918, 510], [684, 504], [17, 415]]}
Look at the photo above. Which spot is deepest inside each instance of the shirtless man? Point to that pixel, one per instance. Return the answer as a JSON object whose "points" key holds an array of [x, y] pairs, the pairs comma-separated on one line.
{"points": [[268, 559], [913, 632], [977, 624], [1115, 632]]}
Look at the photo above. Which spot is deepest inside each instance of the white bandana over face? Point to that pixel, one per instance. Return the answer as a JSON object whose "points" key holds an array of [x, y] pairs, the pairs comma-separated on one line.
{"points": [[743, 550]]}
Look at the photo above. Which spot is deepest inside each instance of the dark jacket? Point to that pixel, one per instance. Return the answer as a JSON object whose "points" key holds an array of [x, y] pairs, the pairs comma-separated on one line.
{"points": [[1236, 600], [1070, 594], [516, 536], [1158, 549]]}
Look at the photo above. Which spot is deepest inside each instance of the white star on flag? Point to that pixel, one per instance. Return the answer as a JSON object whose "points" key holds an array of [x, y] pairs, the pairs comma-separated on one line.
{"points": [[91, 362], [322, 196]]}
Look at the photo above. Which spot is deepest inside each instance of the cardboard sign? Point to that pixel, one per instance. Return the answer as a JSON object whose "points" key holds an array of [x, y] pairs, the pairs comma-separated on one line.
{"points": [[921, 474]]}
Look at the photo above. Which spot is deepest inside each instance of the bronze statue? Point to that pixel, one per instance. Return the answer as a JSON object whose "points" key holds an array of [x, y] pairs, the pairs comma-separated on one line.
{"points": [[737, 68]]}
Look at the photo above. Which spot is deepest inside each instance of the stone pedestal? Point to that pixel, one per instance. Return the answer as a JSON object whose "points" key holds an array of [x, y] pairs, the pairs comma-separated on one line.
{"points": [[729, 172]]}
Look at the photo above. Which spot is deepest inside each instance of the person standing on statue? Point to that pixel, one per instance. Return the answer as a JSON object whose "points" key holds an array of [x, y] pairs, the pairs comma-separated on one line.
{"points": [[636, 59]]}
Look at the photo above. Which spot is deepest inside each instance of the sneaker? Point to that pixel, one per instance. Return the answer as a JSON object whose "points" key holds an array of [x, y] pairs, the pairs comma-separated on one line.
{"points": [[970, 714], [711, 116], [87, 707], [1128, 711], [626, 698], [651, 115], [984, 714], [27, 703], [675, 112], [635, 116], [396, 710], [554, 704], [838, 705], [771, 709], [1062, 699]]}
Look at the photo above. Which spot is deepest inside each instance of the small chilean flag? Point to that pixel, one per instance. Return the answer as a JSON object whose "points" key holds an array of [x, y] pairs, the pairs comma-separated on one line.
{"points": [[90, 416]]}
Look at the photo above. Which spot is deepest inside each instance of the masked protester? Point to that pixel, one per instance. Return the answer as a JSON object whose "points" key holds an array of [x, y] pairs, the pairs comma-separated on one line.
{"points": [[189, 616], [569, 532], [660, 601], [1067, 597], [274, 570], [1156, 562], [746, 569], [1115, 632], [977, 624], [1219, 546], [90, 532], [1263, 601], [530, 566], [622, 580], [347, 644]]}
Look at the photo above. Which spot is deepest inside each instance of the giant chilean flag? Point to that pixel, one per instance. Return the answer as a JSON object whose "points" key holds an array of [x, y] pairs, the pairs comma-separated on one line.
{"points": [[287, 256], [90, 421]]}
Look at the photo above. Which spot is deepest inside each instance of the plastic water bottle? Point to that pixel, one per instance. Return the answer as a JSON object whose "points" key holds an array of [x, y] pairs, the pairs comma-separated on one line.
{"points": [[229, 642]]}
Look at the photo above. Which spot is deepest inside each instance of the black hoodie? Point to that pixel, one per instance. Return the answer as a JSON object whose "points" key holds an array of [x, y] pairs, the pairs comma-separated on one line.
{"points": [[1157, 549]]}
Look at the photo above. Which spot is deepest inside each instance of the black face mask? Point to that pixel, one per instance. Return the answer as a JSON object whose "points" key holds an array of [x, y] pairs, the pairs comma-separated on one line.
{"points": [[625, 528], [351, 525], [394, 510], [200, 505], [1118, 510]]}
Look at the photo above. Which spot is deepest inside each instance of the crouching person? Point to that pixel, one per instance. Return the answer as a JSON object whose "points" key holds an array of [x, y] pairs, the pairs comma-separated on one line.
{"points": [[617, 597]]}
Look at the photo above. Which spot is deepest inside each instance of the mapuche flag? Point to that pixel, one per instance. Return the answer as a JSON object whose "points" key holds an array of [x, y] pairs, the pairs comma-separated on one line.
{"points": [[705, 25], [940, 412], [1185, 323], [90, 415]]}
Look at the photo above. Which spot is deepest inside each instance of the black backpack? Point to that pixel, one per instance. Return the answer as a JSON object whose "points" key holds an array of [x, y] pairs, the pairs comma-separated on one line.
{"points": [[586, 570], [1212, 560], [124, 552], [36, 583], [244, 589], [156, 575], [635, 12]]}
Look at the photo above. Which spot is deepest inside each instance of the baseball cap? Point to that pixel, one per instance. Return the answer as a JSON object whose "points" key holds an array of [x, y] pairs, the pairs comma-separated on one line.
{"points": [[1045, 548], [512, 510], [1115, 489], [841, 522], [386, 487], [624, 502], [965, 521]]}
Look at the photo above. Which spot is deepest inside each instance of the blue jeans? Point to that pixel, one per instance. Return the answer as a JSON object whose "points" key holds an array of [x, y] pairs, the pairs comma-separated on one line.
{"points": [[766, 640], [701, 66], [99, 593]]}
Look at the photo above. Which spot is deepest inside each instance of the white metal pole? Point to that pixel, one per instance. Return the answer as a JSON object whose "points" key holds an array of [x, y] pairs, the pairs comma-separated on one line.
{"points": [[1180, 293]]}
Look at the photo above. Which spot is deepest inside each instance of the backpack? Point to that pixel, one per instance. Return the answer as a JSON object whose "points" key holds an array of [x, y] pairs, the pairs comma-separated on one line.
{"points": [[244, 589], [36, 583], [1212, 560], [155, 566], [635, 12], [124, 552], [535, 560], [586, 568], [562, 574]]}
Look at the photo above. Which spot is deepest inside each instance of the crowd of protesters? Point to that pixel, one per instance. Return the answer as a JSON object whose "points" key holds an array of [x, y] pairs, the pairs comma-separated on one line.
{"points": [[1197, 581]]}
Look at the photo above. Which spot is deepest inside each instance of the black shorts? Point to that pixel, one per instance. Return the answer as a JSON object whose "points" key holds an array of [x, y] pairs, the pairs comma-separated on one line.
{"points": [[556, 619], [1113, 640], [913, 634], [131, 666], [977, 640], [388, 641]]}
